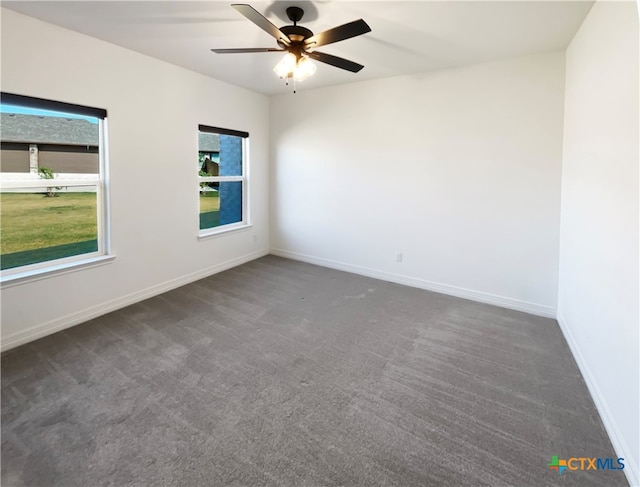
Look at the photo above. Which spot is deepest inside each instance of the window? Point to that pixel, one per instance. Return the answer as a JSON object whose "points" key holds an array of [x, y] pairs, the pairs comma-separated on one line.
{"points": [[52, 185], [222, 179]]}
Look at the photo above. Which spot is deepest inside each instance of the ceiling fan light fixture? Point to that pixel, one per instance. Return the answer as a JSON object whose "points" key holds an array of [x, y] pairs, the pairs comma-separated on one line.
{"points": [[304, 69], [297, 68], [284, 69]]}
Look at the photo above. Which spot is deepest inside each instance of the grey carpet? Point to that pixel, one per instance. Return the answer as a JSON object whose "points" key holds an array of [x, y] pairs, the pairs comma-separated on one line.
{"points": [[279, 373]]}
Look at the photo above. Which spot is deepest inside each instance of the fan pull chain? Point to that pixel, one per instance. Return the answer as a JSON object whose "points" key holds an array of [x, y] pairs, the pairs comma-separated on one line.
{"points": [[286, 82]]}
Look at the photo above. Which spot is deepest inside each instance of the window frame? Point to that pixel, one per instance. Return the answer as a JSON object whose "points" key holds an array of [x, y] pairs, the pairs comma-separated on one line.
{"points": [[204, 233], [27, 272]]}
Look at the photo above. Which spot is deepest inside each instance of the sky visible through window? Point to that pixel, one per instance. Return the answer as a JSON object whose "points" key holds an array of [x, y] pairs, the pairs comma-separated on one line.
{"points": [[4, 108]]}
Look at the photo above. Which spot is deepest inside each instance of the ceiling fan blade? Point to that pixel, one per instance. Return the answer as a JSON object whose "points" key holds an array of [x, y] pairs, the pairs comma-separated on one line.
{"points": [[336, 61], [261, 21], [242, 50], [340, 33]]}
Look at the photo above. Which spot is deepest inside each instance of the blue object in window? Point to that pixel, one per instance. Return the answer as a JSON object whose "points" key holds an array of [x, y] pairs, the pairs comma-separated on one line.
{"points": [[230, 192]]}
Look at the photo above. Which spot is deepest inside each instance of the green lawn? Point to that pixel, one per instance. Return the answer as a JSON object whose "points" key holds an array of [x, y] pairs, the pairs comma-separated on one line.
{"points": [[209, 201], [209, 210], [31, 221]]}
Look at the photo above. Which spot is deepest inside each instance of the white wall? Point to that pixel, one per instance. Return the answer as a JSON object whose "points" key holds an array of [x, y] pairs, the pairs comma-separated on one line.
{"points": [[153, 112], [459, 170], [598, 282]]}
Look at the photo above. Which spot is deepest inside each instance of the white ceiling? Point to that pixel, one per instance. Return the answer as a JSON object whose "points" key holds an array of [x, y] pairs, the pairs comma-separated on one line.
{"points": [[406, 38]]}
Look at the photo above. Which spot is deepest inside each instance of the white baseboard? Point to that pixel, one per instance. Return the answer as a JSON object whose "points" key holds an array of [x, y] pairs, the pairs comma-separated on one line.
{"points": [[502, 301], [610, 425], [87, 314]]}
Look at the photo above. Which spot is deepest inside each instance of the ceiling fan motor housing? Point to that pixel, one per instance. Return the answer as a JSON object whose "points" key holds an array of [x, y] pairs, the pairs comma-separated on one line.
{"points": [[295, 32]]}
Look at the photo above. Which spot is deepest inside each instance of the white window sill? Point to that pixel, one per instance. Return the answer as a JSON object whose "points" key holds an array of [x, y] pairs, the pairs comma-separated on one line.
{"points": [[54, 270], [226, 230]]}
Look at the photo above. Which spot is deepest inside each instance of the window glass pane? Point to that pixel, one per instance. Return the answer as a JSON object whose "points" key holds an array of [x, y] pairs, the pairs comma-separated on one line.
{"points": [[221, 204], [64, 142], [41, 224]]}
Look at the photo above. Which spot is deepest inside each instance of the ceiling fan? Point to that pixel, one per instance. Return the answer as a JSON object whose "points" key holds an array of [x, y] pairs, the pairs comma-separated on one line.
{"points": [[300, 43]]}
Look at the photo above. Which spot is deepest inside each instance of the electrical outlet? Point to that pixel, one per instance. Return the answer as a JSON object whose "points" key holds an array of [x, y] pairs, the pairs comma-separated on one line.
{"points": [[399, 257]]}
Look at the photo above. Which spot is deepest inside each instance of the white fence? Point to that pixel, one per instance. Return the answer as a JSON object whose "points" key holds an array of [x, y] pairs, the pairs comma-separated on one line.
{"points": [[63, 182]]}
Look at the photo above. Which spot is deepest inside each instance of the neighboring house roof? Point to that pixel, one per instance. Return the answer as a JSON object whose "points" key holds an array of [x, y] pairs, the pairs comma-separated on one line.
{"points": [[47, 130], [208, 142]]}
